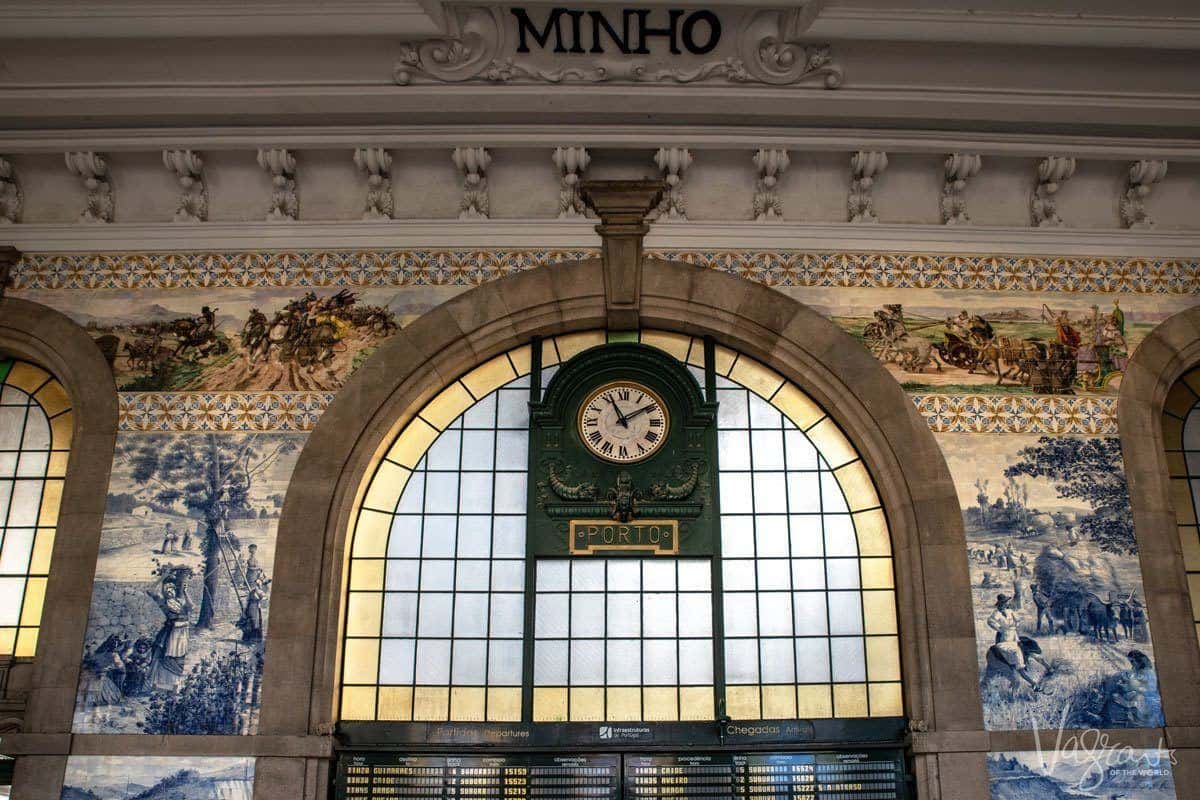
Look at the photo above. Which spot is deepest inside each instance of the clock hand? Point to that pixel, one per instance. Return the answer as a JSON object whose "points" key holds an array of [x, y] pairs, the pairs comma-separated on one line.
{"points": [[641, 410], [620, 417]]}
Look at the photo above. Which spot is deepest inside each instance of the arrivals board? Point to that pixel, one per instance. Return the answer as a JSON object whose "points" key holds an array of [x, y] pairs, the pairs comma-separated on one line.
{"points": [[375, 776], [867, 775]]}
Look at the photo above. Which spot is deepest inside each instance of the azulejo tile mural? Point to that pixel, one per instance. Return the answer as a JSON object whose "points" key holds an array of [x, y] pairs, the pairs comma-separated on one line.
{"points": [[157, 778], [1086, 771], [1060, 612], [181, 597]]}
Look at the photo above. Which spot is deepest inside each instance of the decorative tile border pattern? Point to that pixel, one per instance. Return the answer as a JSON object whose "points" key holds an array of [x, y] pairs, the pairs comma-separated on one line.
{"points": [[299, 411], [471, 267]]}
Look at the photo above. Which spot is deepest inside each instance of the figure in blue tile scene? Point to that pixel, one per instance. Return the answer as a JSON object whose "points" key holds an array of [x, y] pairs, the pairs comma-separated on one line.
{"points": [[171, 643]]}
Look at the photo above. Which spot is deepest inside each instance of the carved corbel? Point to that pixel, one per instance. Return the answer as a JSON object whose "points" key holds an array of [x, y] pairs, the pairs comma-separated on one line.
{"points": [[9, 256], [960, 168], [188, 167], [92, 168], [672, 163], [12, 200], [376, 164], [865, 167], [772, 51], [771, 165], [473, 162], [281, 164], [1142, 177], [571, 163], [1052, 171]]}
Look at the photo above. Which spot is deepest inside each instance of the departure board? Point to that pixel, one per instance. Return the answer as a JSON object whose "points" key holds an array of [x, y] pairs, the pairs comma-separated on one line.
{"points": [[368, 776], [868, 775]]}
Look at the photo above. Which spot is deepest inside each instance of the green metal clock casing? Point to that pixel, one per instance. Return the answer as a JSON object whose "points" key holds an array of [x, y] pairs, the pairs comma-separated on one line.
{"points": [[622, 457]]}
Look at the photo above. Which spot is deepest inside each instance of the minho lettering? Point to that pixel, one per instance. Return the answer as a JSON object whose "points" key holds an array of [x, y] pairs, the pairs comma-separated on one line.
{"points": [[699, 32]]}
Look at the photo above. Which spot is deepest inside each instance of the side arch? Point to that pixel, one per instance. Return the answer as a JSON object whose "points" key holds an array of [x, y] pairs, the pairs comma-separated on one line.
{"points": [[937, 628]]}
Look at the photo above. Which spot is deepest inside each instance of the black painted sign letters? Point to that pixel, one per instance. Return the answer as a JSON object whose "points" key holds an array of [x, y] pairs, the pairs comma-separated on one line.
{"points": [[566, 30]]}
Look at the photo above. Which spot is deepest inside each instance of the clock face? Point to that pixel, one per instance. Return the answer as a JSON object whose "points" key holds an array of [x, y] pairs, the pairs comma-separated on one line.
{"points": [[623, 422]]}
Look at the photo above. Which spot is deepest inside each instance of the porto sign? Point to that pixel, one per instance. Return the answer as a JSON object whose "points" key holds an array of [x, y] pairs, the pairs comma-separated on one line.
{"points": [[697, 32]]}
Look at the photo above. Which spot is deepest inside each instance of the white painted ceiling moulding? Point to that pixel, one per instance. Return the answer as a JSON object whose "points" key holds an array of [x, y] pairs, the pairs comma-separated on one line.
{"points": [[577, 233]]}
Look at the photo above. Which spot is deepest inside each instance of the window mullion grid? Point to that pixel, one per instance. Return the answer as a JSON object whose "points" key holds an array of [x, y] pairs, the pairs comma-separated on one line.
{"points": [[29, 406], [420, 576], [791, 573], [604, 644], [758, 639], [823, 466], [570, 632], [458, 500], [491, 593]]}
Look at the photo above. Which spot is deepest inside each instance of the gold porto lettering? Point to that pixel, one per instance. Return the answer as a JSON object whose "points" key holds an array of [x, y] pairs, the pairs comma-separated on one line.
{"points": [[660, 536]]}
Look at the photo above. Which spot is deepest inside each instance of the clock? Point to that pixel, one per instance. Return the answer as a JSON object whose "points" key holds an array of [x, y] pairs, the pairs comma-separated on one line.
{"points": [[623, 421]]}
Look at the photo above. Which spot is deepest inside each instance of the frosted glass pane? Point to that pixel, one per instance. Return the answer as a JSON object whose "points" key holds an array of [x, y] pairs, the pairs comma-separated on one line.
{"points": [[550, 664], [470, 663], [800, 452], [849, 664], [735, 449], [732, 412], [437, 575], [6, 488], [11, 593], [508, 576], [658, 663], [812, 660], [658, 614], [474, 537], [774, 573], [777, 665], [441, 492], [37, 430], [504, 663], [768, 449], [695, 574], [839, 536], [695, 662], [763, 414], [8, 465], [553, 575], [737, 574], [770, 493], [508, 615], [741, 614], [587, 663], [433, 615], [33, 464], [624, 615], [438, 538], [514, 409], [624, 575], [482, 414], [741, 661], [548, 375], [26, 500], [834, 502], [12, 419], [736, 493], [443, 453], [843, 573], [400, 614], [550, 616], [470, 614], [774, 614], [845, 613], [587, 576], [396, 661], [412, 499], [771, 533], [587, 615], [510, 493], [737, 535], [512, 450], [624, 663], [808, 535], [695, 614], [808, 573], [433, 662], [404, 541], [475, 493], [478, 449], [508, 537], [401, 575], [658, 576], [12, 396], [810, 613], [803, 492]]}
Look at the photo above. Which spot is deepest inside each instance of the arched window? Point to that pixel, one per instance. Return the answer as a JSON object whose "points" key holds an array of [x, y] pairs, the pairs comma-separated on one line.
{"points": [[444, 605], [1181, 437], [35, 440]]}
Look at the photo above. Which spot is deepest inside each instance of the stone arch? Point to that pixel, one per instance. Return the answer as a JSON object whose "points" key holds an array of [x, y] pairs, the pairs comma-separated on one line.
{"points": [[937, 628], [51, 340]]}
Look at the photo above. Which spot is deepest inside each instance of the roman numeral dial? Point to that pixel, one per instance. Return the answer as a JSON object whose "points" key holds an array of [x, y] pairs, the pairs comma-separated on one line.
{"points": [[623, 422]]}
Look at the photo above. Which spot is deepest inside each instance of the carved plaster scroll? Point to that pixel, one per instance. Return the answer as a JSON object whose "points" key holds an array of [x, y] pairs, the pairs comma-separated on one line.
{"points": [[376, 164], [772, 50], [92, 168], [672, 163], [623, 208], [960, 168], [12, 200], [571, 163], [771, 165], [473, 162], [281, 164], [1142, 177], [188, 167], [1052, 172], [865, 167]]}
